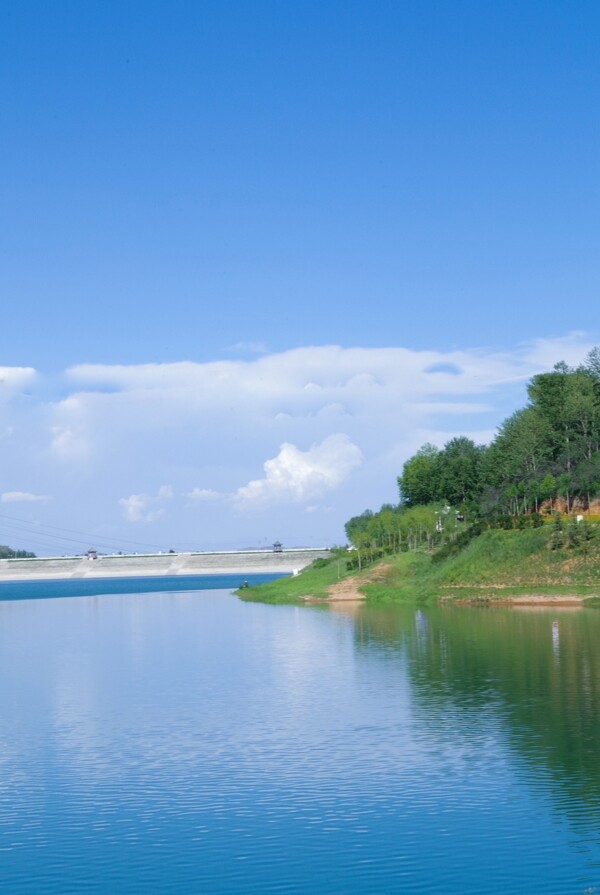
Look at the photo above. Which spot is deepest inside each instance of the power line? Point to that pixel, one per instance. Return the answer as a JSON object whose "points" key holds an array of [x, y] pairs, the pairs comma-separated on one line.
{"points": [[37, 531]]}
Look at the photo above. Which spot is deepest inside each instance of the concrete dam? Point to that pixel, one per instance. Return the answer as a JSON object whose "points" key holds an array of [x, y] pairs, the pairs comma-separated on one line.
{"points": [[239, 562]]}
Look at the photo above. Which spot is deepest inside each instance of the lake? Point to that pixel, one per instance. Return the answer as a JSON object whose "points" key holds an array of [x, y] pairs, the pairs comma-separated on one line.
{"points": [[188, 742]]}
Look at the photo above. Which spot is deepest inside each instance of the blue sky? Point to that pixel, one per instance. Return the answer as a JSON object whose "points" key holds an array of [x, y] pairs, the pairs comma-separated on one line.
{"points": [[234, 186]]}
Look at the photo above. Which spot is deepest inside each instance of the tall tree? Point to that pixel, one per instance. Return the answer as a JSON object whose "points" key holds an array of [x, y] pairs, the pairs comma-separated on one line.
{"points": [[460, 471], [420, 480], [519, 453]]}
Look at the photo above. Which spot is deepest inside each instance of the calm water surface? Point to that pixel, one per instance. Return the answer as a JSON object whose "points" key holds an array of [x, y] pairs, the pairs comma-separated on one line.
{"points": [[187, 742]]}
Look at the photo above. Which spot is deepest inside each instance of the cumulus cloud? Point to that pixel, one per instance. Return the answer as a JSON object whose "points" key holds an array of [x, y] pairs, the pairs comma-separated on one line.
{"points": [[135, 508], [144, 507], [15, 379], [23, 497], [296, 476], [203, 494], [68, 444], [209, 426]]}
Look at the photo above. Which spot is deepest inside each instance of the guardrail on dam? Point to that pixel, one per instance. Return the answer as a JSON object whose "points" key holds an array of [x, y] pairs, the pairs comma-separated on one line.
{"points": [[157, 564]]}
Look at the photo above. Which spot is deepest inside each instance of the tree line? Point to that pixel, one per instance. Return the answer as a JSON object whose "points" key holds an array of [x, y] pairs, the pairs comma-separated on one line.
{"points": [[9, 553], [545, 457]]}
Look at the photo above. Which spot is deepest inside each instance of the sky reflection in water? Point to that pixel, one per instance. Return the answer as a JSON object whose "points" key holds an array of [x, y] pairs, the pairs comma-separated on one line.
{"points": [[190, 742]]}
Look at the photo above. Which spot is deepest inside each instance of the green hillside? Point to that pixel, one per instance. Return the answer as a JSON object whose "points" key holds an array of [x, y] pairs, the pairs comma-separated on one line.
{"points": [[500, 564], [515, 517], [496, 565], [311, 582]]}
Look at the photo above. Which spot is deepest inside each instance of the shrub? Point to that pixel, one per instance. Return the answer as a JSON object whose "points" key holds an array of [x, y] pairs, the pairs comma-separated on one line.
{"points": [[557, 540], [573, 534], [321, 562]]}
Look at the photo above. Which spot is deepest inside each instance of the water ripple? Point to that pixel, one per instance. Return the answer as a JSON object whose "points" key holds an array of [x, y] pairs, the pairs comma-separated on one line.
{"points": [[212, 746]]}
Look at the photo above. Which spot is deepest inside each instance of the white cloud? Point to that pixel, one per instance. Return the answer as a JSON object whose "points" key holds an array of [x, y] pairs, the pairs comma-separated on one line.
{"points": [[203, 494], [208, 427], [23, 497], [135, 508], [15, 379], [296, 476], [144, 507], [546, 352], [327, 380], [68, 444]]}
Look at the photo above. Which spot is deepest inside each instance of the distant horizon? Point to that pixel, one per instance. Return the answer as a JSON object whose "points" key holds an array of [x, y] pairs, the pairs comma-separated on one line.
{"points": [[329, 415], [285, 549]]}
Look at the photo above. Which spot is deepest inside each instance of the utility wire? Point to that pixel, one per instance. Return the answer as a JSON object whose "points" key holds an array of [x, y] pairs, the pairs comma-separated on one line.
{"points": [[38, 532]]}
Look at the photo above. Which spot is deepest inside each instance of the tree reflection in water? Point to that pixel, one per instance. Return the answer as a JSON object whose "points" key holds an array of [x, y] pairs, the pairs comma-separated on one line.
{"points": [[536, 669]]}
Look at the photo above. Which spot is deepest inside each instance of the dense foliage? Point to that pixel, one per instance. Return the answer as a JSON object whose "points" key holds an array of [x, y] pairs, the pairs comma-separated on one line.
{"points": [[9, 553], [544, 458]]}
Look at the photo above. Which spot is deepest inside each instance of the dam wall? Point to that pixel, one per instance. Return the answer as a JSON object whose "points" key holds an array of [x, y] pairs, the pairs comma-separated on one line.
{"points": [[240, 562]]}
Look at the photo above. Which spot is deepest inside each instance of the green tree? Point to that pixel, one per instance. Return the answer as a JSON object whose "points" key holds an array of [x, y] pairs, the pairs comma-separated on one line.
{"points": [[461, 471], [358, 525], [557, 540], [573, 534], [9, 553], [592, 363], [569, 401], [419, 482], [586, 477], [419, 526]]}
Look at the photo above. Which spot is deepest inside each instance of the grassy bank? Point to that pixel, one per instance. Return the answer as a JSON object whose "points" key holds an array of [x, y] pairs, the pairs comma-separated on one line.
{"points": [[312, 582], [497, 565]]}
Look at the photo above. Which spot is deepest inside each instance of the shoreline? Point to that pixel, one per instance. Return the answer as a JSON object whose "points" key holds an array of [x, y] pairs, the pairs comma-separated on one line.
{"points": [[348, 590], [534, 600], [99, 576]]}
